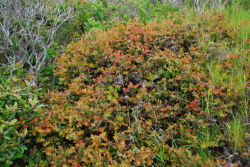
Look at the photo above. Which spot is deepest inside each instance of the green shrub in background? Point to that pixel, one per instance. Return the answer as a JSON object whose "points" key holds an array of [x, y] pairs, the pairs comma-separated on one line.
{"points": [[95, 14], [91, 23], [102, 14], [245, 4], [145, 10]]}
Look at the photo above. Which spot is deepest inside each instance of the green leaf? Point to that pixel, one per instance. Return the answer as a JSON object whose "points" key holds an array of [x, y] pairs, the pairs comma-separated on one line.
{"points": [[31, 162], [2, 127], [2, 104], [13, 122], [7, 137], [110, 97], [27, 83], [27, 108], [135, 111], [7, 164], [138, 49], [166, 74], [18, 155], [176, 107], [161, 71], [33, 101], [4, 95], [119, 118], [116, 95], [40, 106], [152, 77], [37, 90], [5, 112], [204, 145], [23, 147]]}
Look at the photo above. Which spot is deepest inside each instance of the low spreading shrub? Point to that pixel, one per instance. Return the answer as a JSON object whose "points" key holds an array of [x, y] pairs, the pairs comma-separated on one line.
{"points": [[133, 96]]}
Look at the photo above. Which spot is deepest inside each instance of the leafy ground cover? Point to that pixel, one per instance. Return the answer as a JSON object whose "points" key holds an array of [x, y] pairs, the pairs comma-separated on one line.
{"points": [[148, 88]]}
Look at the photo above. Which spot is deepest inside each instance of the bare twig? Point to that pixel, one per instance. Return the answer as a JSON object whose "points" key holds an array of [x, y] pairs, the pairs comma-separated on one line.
{"points": [[27, 30]]}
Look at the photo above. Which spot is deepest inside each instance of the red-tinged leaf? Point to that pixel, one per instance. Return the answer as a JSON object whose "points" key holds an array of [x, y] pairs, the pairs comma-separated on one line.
{"points": [[186, 60], [216, 91], [85, 123], [110, 158], [240, 144], [202, 85], [228, 64], [248, 40], [246, 154], [149, 123], [204, 145], [138, 162], [125, 90], [103, 97], [222, 88], [130, 85], [233, 56], [202, 112]]}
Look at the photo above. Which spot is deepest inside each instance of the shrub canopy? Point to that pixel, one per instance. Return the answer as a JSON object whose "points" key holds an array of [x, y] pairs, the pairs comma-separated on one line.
{"points": [[123, 91]]}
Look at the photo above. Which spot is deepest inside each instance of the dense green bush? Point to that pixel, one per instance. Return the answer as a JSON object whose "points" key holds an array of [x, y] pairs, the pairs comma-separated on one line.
{"points": [[145, 10], [18, 108], [103, 14]]}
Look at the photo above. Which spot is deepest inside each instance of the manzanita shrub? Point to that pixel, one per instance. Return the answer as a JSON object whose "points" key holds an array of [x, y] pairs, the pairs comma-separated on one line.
{"points": [[131, 95]]}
